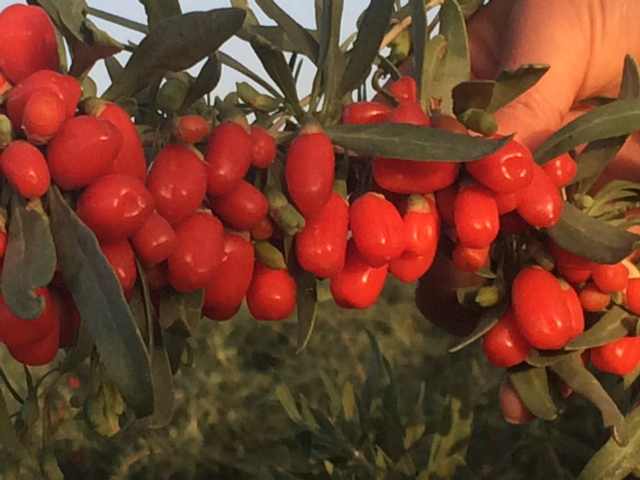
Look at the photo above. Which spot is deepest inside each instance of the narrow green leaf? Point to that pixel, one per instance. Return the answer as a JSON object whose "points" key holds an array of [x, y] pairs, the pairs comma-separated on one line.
{"points": [[80, 351], [612, 461], [180, 313], [162, 381], [630, 87], [510, 84], [538, 358], [591, 238], [456, 64], [207, 80], [532, 385], [434, 52], [237, 66], [294, 31], [307, 293], [275, 36], [349, 403], [288, 403], [278, 69], [331, 59], [473, 94], [30, 260], [410, 142], [374, 25], [8, 436], [114, 68], [618, 118], [176, 43], [419, 38], [487, 321], [102, 306], [158, 10], [614, 324], [573, 371]]}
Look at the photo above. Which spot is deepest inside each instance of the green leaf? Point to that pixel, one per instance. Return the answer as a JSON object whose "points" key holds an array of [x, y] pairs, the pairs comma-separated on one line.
{"points": [[532, 385], [176, 43], [349, 403], [114, 68], [374, 26], [288, 403], [538, 358], [487, 321], [80, 351], [492, 95], [331, 59], [207, 80], [158, 10], [612, 461], [618, 118], [8, 436], [102, 306], [293, 30], [232, 63], [572, 370], [162, 381], [591, 238], [411, 142], [307, 293], [456, 64], [180, 313], [278, 69], [419, 40], [614, 324], [30, 260], [434, 53]]}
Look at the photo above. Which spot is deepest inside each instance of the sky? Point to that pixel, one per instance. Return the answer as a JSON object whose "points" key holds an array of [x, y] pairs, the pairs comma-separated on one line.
{"points": [[301, 10]]}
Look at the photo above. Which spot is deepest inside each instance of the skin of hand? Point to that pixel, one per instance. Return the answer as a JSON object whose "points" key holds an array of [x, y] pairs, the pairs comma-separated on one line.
{"points": [[583, 41]]}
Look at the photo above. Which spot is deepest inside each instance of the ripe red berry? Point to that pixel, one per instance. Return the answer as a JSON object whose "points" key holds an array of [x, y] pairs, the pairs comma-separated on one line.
{"points": [[633, 295], [365, 113], [508, 170], [243, 207], [421, 226], [540, 309], [468, 259], [264, 148], [377, 229], [178, 182], [16, 331], [226, 290], [191, 128], [131, 159], [263, 230], [27, 42], [561, 170], [410, 267], [26, 169], [504, 345], [619, 357], [228, 157], [115, 207], [575, 309], [272, 294], [83, 151], [43, 115], [123, 261], [404, 89], [407, 176], [66, 87], [154, 241], [69, 319], [40, 352], [543, 205], [309, 171], [507, 202], [358, 285], [610, 278], [593, 299], [322, 244], [572, 267], [476, 217], [157, 276], [198, 252]]}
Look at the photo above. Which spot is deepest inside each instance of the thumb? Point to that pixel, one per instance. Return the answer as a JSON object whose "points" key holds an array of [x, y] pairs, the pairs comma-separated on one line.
{"points": [[542, 32]]}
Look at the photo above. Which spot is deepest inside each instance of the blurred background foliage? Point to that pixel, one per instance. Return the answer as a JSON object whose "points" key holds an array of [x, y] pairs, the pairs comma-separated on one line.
{"points": [[248, 406]]}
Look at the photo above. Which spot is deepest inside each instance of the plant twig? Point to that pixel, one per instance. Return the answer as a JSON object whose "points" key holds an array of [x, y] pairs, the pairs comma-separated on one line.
{"points": [[118, 20], [10, 387]]}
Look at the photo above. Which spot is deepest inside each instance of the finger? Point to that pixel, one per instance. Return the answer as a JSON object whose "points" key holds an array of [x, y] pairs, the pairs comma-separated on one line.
{"points": [[513, 408], [548, 32]]}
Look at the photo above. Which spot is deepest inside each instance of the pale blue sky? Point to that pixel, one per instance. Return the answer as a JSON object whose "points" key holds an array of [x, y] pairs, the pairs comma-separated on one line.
{"points": [[301, 10]]}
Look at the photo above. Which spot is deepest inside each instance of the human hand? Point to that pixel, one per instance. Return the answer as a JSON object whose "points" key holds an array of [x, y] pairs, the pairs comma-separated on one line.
{"points": [[583, 41]]}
